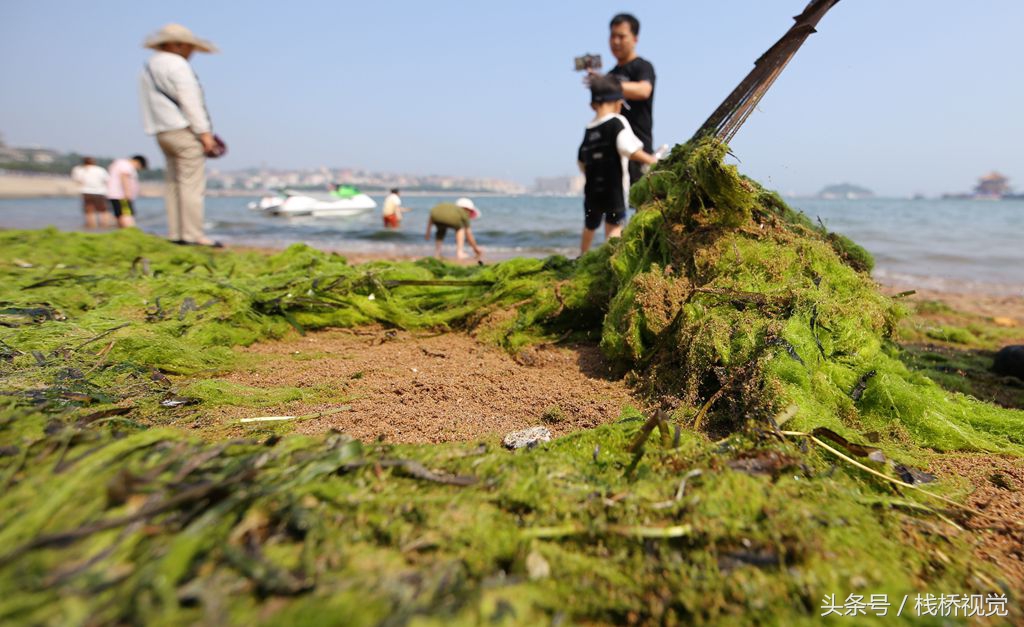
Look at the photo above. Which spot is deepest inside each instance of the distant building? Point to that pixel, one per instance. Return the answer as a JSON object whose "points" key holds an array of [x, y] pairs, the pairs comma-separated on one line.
{"points": [[559, 185], [992, 185]]}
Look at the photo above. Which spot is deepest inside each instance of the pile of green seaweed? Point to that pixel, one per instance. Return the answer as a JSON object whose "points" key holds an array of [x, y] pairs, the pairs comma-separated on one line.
{"points": [[759, 334]]}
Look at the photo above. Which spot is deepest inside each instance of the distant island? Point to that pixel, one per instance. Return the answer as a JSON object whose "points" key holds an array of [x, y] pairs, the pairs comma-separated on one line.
{"points": [[845, 191]]}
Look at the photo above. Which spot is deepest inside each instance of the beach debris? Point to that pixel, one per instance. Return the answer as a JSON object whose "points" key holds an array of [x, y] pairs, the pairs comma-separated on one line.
{"points": [[35, 315], [187, 305], [100, 336], [320, 414], [268, 419], [862, 384], [528, 438], [140, 267], [860, 450], [7, 352], [155, 312], [762, 462], [417, 470], [681, 490], [1001, 481], [179, 401], [912, 475], [537, 567], [785, 415], [103, 413], [749, 555], [553, 415], [1009, 361]]}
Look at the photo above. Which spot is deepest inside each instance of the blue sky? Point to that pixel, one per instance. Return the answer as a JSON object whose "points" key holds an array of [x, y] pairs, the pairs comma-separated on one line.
{"points": [[903, 97]]}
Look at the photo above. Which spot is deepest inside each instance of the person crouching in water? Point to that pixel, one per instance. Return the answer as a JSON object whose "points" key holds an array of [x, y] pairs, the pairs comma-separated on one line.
{"points": [[608, 145], [456, 216]]}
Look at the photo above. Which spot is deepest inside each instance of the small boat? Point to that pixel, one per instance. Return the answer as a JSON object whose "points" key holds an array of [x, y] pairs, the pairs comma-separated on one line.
{"points": [[343, 201]]}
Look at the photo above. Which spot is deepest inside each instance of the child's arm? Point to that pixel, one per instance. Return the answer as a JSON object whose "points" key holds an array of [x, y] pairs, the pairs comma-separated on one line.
{"points": [[643, 157], [126, 182]]}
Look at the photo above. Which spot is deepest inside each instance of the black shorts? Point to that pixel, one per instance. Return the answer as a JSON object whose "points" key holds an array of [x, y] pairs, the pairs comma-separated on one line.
{"points": [[592, 217], [122, 207], [442, 230]]}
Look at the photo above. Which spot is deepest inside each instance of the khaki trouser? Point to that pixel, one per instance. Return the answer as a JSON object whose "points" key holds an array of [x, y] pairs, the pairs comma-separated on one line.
{"points": [[185, 184]]}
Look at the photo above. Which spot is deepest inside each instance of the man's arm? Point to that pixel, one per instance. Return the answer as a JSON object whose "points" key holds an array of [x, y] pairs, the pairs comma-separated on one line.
{"points": [[430, 223], [637, 90], [190, 100], [640, 85]]}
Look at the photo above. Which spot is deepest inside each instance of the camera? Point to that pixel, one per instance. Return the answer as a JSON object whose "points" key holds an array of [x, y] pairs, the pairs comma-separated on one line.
{"points": [[587, 62]]}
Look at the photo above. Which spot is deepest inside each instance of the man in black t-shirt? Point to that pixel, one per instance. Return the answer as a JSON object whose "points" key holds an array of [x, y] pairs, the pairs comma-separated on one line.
{"points": [[637, 76]]}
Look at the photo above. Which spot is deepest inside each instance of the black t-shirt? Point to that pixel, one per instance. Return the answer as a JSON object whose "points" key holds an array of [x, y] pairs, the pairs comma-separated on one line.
{"points": [[641, 112]]}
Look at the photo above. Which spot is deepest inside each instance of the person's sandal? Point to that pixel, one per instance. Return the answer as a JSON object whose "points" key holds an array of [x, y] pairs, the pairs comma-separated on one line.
{"points": [[212, 244]]}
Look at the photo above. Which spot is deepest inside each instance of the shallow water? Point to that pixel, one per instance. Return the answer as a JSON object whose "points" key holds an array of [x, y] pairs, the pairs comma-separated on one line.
{"points": [[937, 244]]}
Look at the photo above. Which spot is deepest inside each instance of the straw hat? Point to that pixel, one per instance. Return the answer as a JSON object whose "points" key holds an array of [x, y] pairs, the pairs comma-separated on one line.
{"points": [[468, 205], [176, 33]]}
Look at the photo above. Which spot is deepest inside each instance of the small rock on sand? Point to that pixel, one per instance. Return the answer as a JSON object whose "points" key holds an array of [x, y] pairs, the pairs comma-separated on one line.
{"points": [[527, 437]]}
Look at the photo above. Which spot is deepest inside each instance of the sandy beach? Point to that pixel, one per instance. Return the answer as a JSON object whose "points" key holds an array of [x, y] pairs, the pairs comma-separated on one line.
{"points": [[46, 186]]}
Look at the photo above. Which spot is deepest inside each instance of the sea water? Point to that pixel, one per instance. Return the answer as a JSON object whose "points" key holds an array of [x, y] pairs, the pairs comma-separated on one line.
{"points": [[971, 245]]}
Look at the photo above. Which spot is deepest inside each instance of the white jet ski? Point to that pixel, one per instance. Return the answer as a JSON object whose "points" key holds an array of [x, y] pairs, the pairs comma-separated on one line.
{"points": [[343, 201]]}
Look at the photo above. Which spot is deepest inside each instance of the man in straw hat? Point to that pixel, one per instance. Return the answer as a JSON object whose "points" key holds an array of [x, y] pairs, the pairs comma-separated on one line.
{"points": [[173, 109]]}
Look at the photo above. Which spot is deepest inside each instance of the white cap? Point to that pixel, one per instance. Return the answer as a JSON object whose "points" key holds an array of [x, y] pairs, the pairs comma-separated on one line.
{"points": [[468, 205]]}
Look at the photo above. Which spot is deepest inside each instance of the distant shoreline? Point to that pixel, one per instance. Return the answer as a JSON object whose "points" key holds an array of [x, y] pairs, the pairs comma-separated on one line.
{"points": [[49, 186]]}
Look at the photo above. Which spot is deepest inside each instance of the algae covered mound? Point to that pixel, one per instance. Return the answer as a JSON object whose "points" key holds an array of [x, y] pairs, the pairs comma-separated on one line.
{"points": [[732, 312], [732, 307]]}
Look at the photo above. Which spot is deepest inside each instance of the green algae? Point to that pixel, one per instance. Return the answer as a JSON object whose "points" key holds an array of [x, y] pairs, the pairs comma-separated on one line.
{"points": [[219, 392], [722, 304], [317, 523]]}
